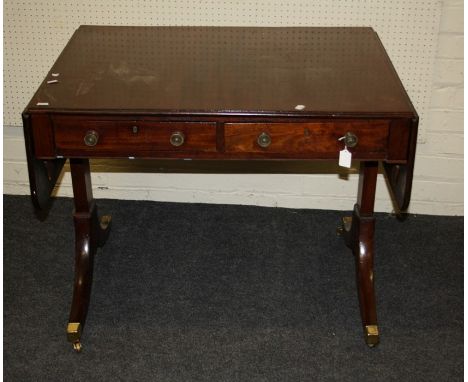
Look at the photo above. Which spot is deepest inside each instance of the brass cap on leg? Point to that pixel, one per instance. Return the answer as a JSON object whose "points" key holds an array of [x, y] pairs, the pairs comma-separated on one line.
{"points": [[73, 331], [371, 333], [74, 335]]}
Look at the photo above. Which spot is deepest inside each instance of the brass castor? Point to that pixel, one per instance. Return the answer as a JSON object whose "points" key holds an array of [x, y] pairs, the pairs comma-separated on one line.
{"points": [[77, 346], [371, 333], [105, 221], [74, 334], [345, 225]]}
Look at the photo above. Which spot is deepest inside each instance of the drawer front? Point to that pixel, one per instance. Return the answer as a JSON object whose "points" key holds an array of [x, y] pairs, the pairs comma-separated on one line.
{"points": [[130, 138], [313, 139]]}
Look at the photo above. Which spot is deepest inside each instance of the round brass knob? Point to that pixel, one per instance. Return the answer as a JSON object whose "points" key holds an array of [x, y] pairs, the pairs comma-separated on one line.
{"points": [[350, 139], [264, 140], [91, 138], [177, 139]]}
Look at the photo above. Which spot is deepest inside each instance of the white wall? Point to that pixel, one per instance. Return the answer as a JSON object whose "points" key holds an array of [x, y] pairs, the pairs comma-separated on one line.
{"points": [[438, 183]]}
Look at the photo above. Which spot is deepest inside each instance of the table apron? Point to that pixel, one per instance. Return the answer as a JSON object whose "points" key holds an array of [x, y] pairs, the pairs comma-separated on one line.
{"points": [[72, 136]]}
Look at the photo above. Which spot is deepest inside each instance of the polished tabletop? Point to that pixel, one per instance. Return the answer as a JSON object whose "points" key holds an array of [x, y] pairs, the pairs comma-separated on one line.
{"points": [[224, 70]]}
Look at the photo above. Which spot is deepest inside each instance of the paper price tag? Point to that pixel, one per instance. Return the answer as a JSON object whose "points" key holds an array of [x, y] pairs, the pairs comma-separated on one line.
{"points": [[345, 158]]}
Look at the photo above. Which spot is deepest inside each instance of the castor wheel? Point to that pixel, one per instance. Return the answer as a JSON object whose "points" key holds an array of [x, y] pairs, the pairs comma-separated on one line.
{"points": [[105, 221], [77, 346], [345, 225]]}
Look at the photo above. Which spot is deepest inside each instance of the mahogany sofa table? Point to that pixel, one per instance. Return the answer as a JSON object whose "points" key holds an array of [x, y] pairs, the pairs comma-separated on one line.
{"points": [[218, 96]]}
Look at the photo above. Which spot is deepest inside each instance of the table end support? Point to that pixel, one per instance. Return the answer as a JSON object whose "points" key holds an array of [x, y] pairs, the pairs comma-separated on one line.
{"points": [[90, 233], [358, 232]]}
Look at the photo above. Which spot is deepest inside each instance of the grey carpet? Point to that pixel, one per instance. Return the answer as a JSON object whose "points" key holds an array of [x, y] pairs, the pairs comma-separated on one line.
{"points": [[190, 292]]}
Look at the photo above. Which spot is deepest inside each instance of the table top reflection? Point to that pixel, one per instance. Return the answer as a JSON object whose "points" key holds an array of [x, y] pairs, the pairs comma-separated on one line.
{"points": [[217, 70]]}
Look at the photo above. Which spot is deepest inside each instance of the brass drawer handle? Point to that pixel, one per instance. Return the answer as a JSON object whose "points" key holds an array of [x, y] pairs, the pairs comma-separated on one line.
{"points": [[350, 139], [91, 138], [177, 139], [264, 140]]}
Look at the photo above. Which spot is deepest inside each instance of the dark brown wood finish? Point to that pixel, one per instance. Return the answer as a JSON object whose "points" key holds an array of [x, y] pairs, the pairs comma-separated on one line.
{"points": [[90, 232], [316, 139], [221, 138], [149, 138], [43, 136], [359, 236], [400, 176], [398, 140], [213, 70], [362, 245], [131, 138], [43, 174], [209, 94]]}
